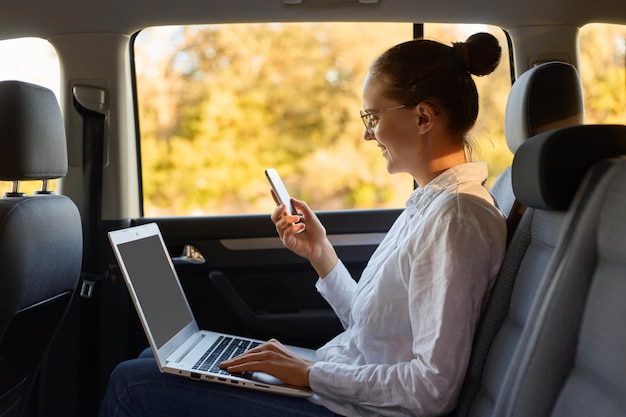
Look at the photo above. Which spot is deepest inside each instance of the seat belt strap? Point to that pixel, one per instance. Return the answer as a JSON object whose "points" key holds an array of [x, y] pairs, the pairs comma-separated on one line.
{"points": [[517, 210], [93, 157]]}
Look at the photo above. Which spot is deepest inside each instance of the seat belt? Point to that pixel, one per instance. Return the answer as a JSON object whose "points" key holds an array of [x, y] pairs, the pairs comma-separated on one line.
{"points": [[90, 102], [93, 156], [517, 210]]}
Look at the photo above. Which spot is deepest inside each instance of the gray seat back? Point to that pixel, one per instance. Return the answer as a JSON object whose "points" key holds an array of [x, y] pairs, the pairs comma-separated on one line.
{"points": [[547, 188], [40, 238], [571, 361], [545, 97]]}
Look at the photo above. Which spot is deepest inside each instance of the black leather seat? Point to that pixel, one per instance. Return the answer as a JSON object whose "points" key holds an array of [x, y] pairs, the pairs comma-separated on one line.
{"points": [[40, 238]]}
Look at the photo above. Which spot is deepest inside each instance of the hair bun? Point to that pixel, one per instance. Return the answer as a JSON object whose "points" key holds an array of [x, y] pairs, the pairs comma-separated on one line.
{"points": [[479, 54]]}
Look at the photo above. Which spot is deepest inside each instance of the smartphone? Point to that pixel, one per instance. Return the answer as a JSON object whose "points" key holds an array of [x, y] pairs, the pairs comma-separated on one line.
{"points": [[279, 189]]}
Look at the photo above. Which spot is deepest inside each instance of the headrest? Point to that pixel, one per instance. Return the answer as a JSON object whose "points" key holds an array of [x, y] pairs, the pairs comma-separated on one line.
{"points": [[548, 96], [32, 134], [548, 168]]}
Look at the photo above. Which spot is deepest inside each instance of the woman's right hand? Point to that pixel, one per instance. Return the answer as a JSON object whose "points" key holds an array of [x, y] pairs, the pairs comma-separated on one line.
{"points": [[305, 235]]}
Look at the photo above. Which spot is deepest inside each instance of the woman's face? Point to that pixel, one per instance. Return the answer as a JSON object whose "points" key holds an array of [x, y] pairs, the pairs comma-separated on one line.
{"points": [[395, 133]]}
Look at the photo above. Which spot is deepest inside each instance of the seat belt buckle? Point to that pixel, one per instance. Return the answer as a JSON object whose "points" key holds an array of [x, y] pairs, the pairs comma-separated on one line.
{"points": [[86, 290]]}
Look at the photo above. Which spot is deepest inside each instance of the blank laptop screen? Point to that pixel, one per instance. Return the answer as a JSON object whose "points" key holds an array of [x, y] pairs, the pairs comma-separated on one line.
{"points": [[156, 286]]}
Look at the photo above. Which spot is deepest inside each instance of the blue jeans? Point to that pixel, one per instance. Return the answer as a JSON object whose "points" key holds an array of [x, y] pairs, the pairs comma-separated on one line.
{"points": [[137, 388]]}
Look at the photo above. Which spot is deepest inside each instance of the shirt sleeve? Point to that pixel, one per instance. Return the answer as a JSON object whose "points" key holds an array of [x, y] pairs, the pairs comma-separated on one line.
{"points": [[452, 265], [338, 288]]}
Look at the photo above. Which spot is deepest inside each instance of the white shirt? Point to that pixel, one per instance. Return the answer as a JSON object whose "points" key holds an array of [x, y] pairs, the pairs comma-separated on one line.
{"points": [[410, 320]]}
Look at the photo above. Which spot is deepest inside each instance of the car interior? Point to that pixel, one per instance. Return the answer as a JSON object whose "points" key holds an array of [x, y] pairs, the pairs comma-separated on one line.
{"points": [[123, 113]]}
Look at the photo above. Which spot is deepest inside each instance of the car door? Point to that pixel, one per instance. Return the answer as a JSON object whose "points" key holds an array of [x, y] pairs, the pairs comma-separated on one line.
{"points": [[248, 284], [286, 100]]}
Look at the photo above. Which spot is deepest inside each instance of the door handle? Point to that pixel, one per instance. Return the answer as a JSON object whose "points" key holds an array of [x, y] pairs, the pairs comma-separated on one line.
{"points": [[190, 255]]}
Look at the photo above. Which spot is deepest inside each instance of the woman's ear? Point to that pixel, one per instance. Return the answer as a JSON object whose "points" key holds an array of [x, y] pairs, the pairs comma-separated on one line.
{"points": [[425, 117]]}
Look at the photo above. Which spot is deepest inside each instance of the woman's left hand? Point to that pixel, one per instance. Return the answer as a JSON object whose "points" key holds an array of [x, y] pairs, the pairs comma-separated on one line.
{"points": [[275, 359]]}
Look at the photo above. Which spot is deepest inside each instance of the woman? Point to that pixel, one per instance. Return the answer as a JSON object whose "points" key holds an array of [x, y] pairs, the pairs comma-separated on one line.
{"points": [[409, 321]]}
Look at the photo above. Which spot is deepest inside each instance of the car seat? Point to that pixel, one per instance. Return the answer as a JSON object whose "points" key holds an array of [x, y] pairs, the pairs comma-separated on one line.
{"points": [[40, 238], [545, 176], [571, 359], [545, 97]]}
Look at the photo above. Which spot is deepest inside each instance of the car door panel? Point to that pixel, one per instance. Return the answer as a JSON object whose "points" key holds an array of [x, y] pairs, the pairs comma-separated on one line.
{"points": [[250, 284]]}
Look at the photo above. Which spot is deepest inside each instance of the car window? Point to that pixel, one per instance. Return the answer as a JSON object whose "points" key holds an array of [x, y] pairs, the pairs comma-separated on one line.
{"points": [[32, 60], [603, 72], [220, 103]]}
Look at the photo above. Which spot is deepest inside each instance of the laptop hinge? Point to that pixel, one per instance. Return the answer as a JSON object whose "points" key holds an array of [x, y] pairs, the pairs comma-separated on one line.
{"points": [[185, 348]]}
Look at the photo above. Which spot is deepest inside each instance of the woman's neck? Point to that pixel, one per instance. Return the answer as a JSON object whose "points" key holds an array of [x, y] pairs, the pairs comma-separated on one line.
{"points": [[438, 163]]}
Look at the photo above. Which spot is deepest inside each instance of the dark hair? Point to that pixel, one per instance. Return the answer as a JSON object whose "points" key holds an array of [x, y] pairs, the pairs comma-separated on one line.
{"points": [[423, 70]]}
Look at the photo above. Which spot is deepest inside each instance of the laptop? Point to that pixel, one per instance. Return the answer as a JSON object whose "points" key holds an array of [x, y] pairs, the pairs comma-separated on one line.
{"points": [[179, 346]]}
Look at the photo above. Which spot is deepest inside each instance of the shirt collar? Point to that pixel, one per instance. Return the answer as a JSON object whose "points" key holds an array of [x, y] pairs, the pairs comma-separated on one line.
{"points": [[449, 180]]}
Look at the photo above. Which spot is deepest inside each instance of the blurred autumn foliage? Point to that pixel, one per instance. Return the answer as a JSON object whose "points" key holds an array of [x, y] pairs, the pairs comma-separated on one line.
{"points": [[218, 104]]}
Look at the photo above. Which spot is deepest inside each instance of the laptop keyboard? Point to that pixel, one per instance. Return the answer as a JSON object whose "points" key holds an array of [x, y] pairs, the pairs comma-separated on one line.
{"points": [[224, 348]]}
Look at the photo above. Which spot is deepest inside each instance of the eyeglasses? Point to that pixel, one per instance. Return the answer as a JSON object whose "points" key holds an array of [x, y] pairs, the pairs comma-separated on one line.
{"points": [[370, 121]]}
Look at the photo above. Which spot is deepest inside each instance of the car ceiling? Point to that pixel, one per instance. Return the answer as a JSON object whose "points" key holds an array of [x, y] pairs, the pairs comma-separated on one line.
{"points": [[45, 18]]}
